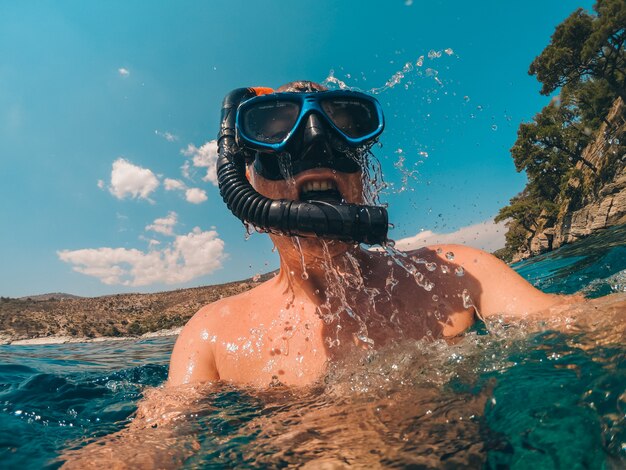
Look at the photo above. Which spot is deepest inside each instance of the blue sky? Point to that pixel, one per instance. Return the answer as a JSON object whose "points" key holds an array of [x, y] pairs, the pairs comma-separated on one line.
{"points": [[107, 110]]}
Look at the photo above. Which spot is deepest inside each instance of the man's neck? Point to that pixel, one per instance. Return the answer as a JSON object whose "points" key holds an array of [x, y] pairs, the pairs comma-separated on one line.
{"points": [[313, 267]]}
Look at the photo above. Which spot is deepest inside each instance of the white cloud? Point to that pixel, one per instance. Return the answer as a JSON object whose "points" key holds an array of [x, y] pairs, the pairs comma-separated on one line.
{"points": [[186, 170], [192, 195], [172, 184], [195, 195], [124, 72], [167, 136], [204, 157], [131, 180], [486, 235], [101, 184], [164, 225], [187, 257]]}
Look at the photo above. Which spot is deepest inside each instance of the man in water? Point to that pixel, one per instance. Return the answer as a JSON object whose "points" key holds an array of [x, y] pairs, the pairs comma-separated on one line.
{"points": [[292, 164], [304, 150]]}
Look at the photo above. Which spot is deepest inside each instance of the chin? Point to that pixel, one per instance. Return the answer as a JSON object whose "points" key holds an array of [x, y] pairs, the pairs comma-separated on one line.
{"points": [[321, 248]]}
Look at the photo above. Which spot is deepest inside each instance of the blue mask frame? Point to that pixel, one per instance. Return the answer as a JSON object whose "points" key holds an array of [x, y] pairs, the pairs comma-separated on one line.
{"points": [[308, 103]]}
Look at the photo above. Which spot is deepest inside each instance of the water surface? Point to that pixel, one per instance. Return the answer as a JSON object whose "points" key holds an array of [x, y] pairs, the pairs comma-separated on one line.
{"points": [[503, 396]]}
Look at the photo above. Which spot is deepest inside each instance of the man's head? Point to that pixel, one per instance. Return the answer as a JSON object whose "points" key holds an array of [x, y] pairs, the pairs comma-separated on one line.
{"points": [[315, 164], [304, 148], [308, 127]]}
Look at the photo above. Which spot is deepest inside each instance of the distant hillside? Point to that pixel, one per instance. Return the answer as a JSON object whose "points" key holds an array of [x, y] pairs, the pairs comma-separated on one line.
{"points": [[112, 315], [51, 296]]}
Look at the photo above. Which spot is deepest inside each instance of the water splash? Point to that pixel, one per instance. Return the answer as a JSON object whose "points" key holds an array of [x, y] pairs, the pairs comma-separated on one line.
{"points": [[408, 69], [400, 259], [394, 80], [332, 80], [406, 174]]}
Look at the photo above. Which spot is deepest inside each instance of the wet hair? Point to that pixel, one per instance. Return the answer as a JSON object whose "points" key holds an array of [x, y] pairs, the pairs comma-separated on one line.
{"points": [[301, 86]]}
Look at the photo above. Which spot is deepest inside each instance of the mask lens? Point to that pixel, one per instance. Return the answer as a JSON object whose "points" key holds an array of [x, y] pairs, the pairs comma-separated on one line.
{"points": [[354, 117], [270, 121]]}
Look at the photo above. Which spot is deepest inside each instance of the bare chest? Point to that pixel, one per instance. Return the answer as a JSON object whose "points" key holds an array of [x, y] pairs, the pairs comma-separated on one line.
{"points": [[292, 341]]}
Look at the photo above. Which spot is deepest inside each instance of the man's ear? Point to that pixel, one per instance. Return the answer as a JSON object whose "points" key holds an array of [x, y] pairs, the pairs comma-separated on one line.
{"points": [[248, 173]]}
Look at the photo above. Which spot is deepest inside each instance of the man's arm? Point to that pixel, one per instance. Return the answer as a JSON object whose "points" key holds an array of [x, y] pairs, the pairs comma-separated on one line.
{"points": [[193, 357], [501, 290]]}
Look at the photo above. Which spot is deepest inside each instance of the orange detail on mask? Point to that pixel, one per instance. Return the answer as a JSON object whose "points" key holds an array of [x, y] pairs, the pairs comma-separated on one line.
{"points": [[261, 90]]}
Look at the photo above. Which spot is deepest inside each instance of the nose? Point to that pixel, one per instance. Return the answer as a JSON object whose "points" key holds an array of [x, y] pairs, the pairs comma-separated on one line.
{"points": [[314, 130]]}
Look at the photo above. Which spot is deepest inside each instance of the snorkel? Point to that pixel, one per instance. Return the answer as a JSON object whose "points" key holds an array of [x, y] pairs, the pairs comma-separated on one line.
{"points": [[338, 221]]}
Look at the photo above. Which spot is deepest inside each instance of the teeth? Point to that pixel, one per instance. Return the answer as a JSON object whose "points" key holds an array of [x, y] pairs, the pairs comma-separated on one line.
{"points": [[318, 186]]}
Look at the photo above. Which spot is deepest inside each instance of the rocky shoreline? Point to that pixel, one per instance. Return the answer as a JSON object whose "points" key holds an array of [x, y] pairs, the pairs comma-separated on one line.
{"points": [[61, 318], [597, 198]]}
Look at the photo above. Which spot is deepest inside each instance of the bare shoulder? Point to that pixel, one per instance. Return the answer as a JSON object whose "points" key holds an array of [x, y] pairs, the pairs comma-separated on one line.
{"points": [[461, 254], [477, 262], [474, 261], [193, 357], [500, 290]]}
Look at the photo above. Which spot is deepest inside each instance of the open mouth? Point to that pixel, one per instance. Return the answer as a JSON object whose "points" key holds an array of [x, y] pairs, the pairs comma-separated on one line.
{"points": [[325, 190]]}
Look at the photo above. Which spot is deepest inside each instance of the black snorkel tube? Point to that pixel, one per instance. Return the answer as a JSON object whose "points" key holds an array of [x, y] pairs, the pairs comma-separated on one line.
{"points": [[339, 221]]}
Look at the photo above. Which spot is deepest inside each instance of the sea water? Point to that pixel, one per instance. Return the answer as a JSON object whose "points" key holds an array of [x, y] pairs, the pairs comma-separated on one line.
{"points": [[504, 395]]}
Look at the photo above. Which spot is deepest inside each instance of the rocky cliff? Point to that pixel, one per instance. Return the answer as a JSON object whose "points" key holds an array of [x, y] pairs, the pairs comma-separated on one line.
{"points": [[596, 197]]}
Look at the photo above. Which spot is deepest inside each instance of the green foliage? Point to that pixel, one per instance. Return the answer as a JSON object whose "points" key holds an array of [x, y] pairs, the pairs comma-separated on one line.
{"points": [[135, 328], [549, 145], [523, 208], [592, 100], [584, 47], [573, 188], [505, 254], [516, 238]]}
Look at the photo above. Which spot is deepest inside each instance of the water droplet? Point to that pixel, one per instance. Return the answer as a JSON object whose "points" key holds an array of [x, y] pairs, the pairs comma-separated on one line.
{"points": [[304, 275], [256, 278], [431, 266], [420, 61], [449, 51], [494, 127], [435, 297], [459, 271], [445, 269], [466, 98], [439, 251], [450, 255], [432, 54], [467, 300]]}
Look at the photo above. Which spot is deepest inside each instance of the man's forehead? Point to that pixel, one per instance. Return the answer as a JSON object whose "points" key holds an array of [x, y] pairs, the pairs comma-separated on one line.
{"points": [[301, 86]]}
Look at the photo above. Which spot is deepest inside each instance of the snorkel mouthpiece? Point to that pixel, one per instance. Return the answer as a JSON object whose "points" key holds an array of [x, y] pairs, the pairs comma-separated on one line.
{"points": [[339, 221]]}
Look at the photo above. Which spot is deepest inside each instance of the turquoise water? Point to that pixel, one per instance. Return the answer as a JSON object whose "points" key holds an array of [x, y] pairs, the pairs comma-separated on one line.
{"points": [[503, 398]]}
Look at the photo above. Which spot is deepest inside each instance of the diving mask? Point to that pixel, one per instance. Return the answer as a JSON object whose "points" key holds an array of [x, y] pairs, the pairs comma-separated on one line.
{"points": [[294, 132]]}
